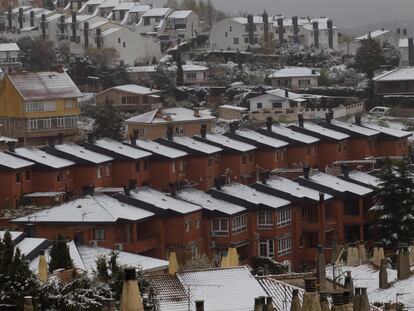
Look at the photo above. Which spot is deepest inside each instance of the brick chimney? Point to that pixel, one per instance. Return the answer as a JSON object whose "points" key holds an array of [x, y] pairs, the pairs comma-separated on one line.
{"points": [[295, 29], [127, 191], [131, 297], [403, 262], [196, 113], [410, 52], [43, 25], [327, 117], [42, 273], [73, 39], [269, 123], [306, 171], [352, 255], [345, 170], [281, 30], [11, 146], [323, 300], [383, 275], [62, 24], [349, 284], [233, 127], [378, 254], [20, 18], [32, 18], [301, 120], [172, 264], [133, 140], [86, 34], [203, 130], [108, 304], [315, 26], [28, 303], [217, 183], [364, 301], [358, 119], [199, 305], [311, 296], [295, 304], [91, 138], [330, 34], [250, 25], [320, 266], [173, 189], [98, 38]]}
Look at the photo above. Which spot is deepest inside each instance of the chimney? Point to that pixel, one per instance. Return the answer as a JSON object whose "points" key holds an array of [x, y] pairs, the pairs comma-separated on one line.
{"points": [[316, 34], [311, 296], [320, 266], [286, 93], [330, 34], [127, 191], [328, 117], [250, 25], [258, 304], [217, 183], [42, 268], [348, 305], [399, 31], [233, 127], [9, 18], [32, 17], [269, 304], [352, 255], [301, 120], [306, 171], [28, 303], [357, 298], [358, 119], [20, 18], [349, 284], [378, 254], [295, 304], [12, 146], [233, 257], [321, 198], [345, 170], [133, 140], [199, 305], [263, 177], [335, 250], [170, 132], [410, 52], [51, 141], [364, 301], [86, 34], [132, 184], [203, 130], [173, 189], [265, 17], [73, 26], [323, 300], [362, 252], [196, 113], [172, 263], [62, 24], [383, 275], [338, 300], [295, 29], [88, 190], [59, 137], [108, 304], [91, 138], [281, 30], [403, 262], [269, 123], [405, 33], [131, 297], [98, 38], [43, 25]]}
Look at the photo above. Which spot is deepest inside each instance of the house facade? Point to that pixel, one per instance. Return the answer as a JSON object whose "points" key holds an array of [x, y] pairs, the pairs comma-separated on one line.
{"points": [[294, 78]]}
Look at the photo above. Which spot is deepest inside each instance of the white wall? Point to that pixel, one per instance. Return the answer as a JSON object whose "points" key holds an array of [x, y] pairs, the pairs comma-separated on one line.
{"points": [[267, 101]]}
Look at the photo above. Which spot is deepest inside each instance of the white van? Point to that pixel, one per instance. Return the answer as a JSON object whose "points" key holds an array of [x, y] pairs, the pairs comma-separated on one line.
{"points": [[379, 111]]}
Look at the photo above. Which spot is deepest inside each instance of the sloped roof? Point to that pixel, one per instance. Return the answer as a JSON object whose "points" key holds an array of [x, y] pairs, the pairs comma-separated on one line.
{"points": [[160, 149], [227, 142], [44, 85], [398, 74], [294, 72], [291, 134], [388, 130], [355, 128], [194, 144], [156, 12], [243, 20], [12, 162], [9, 47], [172, 296], [83, 153], [180, 14], [260, 138], [41, 157], [121, 148], [373, 34], [178, 114], [135, 89]]}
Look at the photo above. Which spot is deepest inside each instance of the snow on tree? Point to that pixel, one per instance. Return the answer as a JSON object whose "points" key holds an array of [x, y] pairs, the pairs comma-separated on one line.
{"points": [[369, 57], [109, 121], [200, 261], [59, 255]]}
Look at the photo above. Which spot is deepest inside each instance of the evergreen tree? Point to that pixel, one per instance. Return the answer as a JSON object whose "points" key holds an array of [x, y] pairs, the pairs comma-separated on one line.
{"points": [[178, 60], [394, 206], [210, 13], [108, 121], [369, 56], [59, 255]]}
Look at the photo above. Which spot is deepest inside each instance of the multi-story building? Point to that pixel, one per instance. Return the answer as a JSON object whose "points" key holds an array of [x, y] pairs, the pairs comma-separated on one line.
{"points": [[35, 106], [10, 58], [180, 25]]}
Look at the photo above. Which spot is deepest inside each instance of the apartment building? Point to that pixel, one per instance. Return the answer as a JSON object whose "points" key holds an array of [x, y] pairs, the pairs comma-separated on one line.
{"points": [[35, 106], [10, 58]]}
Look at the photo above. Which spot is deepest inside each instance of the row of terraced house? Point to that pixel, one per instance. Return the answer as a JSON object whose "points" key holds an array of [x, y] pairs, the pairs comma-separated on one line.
{"points": [[204, 192]]}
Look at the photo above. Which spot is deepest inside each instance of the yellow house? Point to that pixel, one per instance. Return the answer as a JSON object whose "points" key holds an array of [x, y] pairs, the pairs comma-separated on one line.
{"points": [[36, 106]]}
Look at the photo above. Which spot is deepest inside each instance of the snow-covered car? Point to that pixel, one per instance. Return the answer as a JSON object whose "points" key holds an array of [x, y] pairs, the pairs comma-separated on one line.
{"points": [[379, 111]]}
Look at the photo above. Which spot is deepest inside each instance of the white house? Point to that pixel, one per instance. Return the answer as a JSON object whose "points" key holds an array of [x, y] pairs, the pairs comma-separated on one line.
{"points": [[294, 78], [10, 58], [277, 100], [152, 21], [195, 74], [180, 24]]}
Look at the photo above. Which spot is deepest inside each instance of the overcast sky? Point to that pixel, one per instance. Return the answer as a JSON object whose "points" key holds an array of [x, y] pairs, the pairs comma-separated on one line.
{"points": [[347, 13]]}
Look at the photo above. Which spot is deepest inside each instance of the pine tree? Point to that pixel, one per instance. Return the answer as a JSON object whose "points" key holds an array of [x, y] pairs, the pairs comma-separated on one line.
{"points": [[369, 56], [180, 71], [59, 255], [108, 121]]}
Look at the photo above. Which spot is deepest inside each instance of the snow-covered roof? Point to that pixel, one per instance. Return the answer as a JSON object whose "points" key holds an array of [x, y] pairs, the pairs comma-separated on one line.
{"points": [[124, 6], [167, 115], [208, 202], [373, 34], [262, 139], [364, 178], [109, 4], [194, 144], [180, 14], [290, 72], [293, 188], [121, 148], [89, 255], [289, 133], [317, 129], [398, 74], [99, 208], [135, 89], [5, 139], [388, 130], [83, 153], [9, 47], [160, 149], [139, 8], [222, 289], [98, 23], [243, 20], [142, 69], [282, 93], [194, 67], [28, 245], [355, 128], [163, 201], [254, 196], [233, 107], [338, 184], [12, 162], [156, 12], [14, 235], [227, 142], [280, 292], [41, 157], [110, 31]]}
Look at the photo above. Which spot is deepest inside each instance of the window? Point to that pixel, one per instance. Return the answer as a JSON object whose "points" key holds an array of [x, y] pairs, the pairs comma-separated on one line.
{"points": [[18, 178], [284, 245], [147, 21], [259, 105], [236, 40], [239, 224], [27, 174], [308, 151], [246, 40], [124, 44], [219, 227], [99, 234], [277, 105], [187, 225], [264, 219], [277, 156], [230, 29], [266, 248], [191, 75], [119, 40], [283, 154], [284, 216], [59, 177], [225, 34], [68, 104], [339, 147]]}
